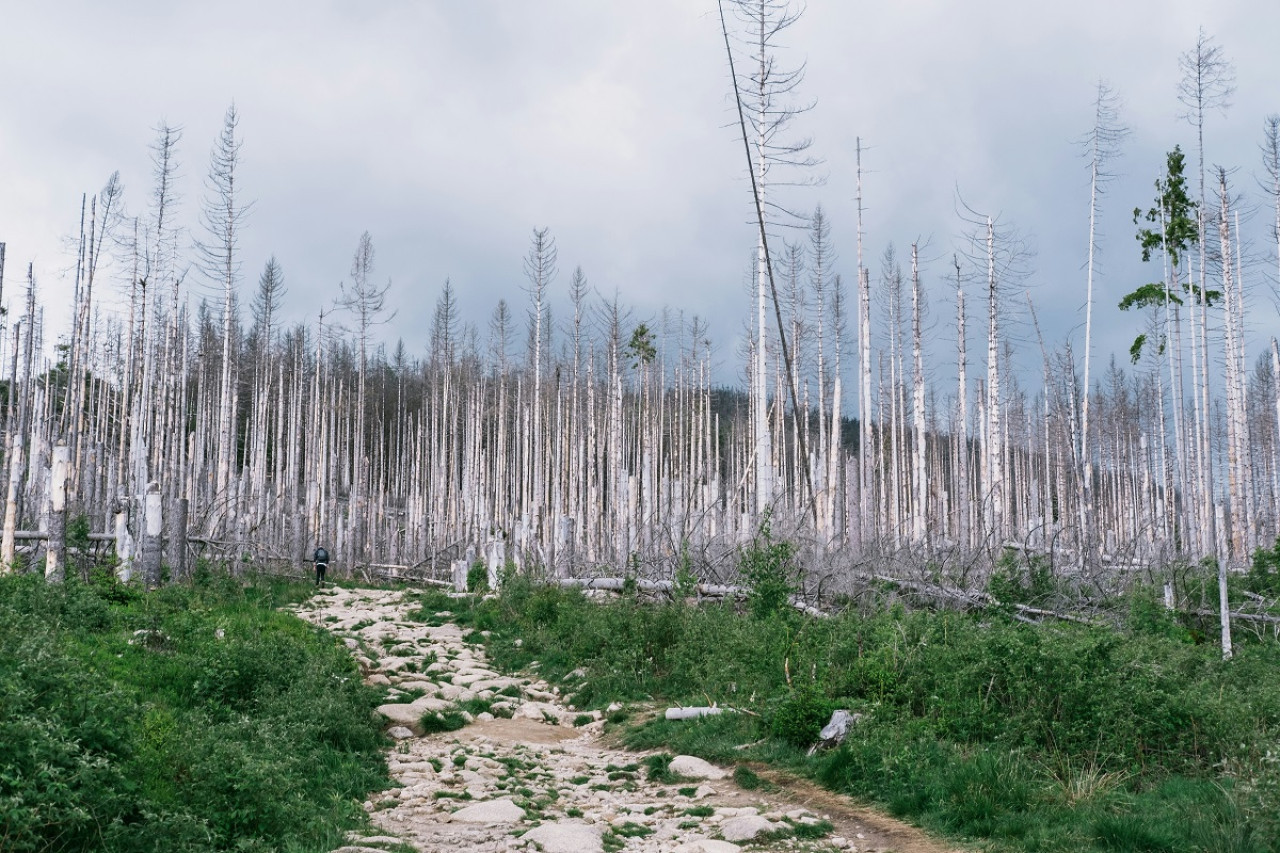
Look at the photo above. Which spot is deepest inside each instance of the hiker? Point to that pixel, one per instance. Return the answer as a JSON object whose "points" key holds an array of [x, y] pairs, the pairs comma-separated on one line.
{"points": [[321, 559]]}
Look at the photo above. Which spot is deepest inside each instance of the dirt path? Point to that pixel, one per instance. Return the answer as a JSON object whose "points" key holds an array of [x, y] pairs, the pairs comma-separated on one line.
{"points": [[532, 774]]}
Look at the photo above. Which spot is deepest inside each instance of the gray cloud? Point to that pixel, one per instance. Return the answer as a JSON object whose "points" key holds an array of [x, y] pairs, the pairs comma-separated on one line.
{"points": [[450, 130]]}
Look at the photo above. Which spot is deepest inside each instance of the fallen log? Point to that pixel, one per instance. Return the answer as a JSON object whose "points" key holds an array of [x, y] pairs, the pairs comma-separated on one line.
{"points": [[705, 590], [693, 713], [1248, 617]]}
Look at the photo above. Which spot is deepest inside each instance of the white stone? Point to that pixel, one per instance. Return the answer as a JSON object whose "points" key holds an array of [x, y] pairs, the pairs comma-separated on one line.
{"points": [[566, 838], [706, 845], [418, 684], [452, 692], [537, 711], [490, 811], [736, 811], [745, 827], [692, 767], [409, 715], [400, 732]]}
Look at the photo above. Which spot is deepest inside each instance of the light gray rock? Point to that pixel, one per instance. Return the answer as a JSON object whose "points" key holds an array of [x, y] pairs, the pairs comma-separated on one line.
{"points": [[706, 845], [452, 692], [538, 711], [418, 684], [377, 839], [490, 811], [566, 838], [836, 730], [409, 715], [693, 767], [745, 827], [400, 732]]}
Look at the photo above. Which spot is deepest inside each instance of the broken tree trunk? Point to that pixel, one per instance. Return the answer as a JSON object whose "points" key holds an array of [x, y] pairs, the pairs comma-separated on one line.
{"points": [[7, 548], [175, 546], [151, 529], [55, 570]]}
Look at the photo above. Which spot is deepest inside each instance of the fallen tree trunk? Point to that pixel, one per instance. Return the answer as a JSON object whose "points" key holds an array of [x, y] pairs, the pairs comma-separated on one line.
{"points": [[694, 713], [704, 590]]}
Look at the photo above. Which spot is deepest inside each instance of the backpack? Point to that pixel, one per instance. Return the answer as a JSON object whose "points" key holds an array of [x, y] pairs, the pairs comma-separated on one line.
{"points": [[322, 556]]}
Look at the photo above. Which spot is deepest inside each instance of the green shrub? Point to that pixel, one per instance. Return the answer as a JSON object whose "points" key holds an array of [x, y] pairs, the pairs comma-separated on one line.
{"points": [[448, 720], [658, 768], [769, 572], [746, 778], [801, 715], [1264, 571], [1021, 578], [177, 738], [477, 577]]}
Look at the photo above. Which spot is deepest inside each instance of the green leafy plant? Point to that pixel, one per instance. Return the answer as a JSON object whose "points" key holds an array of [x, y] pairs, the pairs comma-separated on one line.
{"points": [[801, 715], [477, 577], [193, 743], [769, 572]]}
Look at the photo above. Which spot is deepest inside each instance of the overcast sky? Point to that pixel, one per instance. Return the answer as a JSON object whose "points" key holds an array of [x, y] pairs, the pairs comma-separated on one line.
{"points": [[449, 130]]}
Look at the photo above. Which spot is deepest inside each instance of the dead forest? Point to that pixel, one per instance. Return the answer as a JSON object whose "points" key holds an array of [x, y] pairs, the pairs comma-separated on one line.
{"points": [[597, 443]]}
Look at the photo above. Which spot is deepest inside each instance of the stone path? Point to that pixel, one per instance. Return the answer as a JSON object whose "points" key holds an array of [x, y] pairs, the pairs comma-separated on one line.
{"points": [[527, 773]]}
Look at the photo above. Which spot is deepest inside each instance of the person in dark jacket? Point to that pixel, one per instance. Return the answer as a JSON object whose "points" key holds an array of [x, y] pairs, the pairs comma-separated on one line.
{"points": [[321, 559]]}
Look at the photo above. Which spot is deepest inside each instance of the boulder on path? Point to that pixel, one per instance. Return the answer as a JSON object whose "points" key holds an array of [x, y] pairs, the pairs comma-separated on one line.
{"points": [[566, 838], [693, 767], [490, 811], [745, 827]]}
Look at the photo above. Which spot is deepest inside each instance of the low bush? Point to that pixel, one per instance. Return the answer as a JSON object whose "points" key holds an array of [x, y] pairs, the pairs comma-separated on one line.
{"points": [[194, 718]]}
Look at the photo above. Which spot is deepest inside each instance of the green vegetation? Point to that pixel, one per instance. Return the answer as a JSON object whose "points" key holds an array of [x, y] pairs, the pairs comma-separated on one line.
{"points": [[448, 720], [1053, 737], [194, 718], [477, 577]]}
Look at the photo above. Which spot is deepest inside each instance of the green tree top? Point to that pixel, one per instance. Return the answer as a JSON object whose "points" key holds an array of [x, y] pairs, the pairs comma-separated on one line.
{"points": [[1174, 214], [640, 349], [1175, 231]]}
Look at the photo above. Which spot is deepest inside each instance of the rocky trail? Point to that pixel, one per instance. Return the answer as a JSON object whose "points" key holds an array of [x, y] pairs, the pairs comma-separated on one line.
{"points": [[532, 774]]}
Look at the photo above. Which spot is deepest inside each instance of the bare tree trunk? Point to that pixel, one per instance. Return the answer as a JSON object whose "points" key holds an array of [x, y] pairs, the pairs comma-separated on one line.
{"points": [[152, 527], [56, 554], [8, 551], [920, 510], [993, 499], [962, 497]]}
